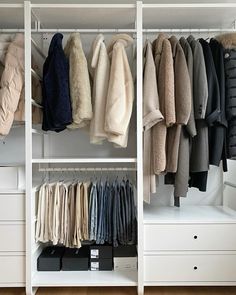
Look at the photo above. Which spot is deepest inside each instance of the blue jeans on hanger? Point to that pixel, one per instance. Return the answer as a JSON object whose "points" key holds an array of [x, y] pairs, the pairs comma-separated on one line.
{"points": [[101, 213]]}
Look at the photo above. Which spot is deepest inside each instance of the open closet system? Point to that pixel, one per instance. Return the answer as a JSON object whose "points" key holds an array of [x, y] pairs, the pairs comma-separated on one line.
{"points": [[191, 245]]}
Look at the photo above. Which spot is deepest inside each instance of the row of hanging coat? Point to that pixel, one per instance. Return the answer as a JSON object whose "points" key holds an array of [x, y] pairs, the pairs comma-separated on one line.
{"points": [[98, 93], [185, 111], [12, 100], [70, 213]]}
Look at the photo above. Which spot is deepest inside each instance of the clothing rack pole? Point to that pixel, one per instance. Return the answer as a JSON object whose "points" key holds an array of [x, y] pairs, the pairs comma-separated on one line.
{"points": [[86, 169], [213, 30]]}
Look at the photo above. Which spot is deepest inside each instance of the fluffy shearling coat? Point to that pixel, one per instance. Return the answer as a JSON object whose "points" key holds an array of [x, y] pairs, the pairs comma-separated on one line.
{"points": [[80, 92], [165, 83], [100, 73], [151, 116], [120, 94], [182, 104]]}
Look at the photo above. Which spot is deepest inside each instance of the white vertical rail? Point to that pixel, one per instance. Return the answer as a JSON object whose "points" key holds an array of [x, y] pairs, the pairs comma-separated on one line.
{"points": [[28, 147], [139, 89]]}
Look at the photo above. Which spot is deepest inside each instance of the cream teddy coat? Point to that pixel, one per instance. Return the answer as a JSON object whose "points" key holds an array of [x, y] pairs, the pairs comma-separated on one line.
{"points": [[80, 91], [120, 94], [99, 68], [151, 116], [165, 83]]}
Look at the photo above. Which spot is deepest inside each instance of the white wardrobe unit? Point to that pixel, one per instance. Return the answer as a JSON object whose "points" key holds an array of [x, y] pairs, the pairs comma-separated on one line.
{"points": [[71, 150], [196, 243], [12, 192], [191, 245]]}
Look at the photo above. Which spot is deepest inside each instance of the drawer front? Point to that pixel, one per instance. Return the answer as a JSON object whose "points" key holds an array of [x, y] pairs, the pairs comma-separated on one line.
{"points": [[190, 237], [190, 268], [12, 207], [12, 237], [12, 269]]}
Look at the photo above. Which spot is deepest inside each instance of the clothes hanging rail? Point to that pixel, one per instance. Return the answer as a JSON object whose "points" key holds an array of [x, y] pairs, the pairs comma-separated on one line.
{"points": [[86, 169], [216, 30]]}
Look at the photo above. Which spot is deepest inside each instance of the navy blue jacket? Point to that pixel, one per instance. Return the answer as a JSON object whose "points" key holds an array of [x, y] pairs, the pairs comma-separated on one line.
{"points": [[57, 112]]}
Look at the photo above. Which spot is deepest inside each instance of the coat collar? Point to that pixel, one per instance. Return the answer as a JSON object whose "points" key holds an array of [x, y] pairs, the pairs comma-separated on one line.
{"points": [[227, 40], [125, 39], [158, 43], [99, 40]]}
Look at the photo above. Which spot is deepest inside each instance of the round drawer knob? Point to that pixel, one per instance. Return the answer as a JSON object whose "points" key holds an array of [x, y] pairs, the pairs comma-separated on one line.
{"points": [[195, 268], [195, 237]]}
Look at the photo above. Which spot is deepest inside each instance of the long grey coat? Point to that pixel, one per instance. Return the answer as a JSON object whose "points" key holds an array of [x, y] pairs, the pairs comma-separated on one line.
{"points": [[199, 161], [187, 132]]}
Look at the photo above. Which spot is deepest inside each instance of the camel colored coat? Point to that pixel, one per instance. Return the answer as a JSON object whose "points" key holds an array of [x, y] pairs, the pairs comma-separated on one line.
{"points": [[80, 92], [165, 83], [151, 116], [120, 94], [182, 104], [100, 73]]}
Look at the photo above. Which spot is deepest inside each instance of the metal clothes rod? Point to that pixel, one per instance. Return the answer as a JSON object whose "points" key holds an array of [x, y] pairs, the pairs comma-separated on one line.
{"points": [[87, 169], [188, 30], [87, 30]]}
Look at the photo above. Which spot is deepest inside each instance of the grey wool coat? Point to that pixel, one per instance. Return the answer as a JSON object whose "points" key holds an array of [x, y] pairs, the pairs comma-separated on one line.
{"points": [[187, 132], [199, 160]]}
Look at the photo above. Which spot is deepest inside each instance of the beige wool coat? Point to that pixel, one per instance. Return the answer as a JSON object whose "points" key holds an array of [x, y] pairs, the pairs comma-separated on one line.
{"points": [[183, 100], [80, 91], [120, 94], [99, 68], [151, 116], [165, 82]]}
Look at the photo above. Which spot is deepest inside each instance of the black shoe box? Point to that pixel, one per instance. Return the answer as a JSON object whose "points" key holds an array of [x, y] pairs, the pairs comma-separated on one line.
{"points": [[101, 264], [50, 259], [125, 251], [76, 259], [101, 252]]}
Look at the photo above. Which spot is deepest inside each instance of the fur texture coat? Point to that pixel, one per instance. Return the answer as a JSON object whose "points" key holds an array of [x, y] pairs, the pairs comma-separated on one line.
{"points": [[151, 116], [165, 82], [183, 98], [120, 94], [80, 92], [99, 68]]}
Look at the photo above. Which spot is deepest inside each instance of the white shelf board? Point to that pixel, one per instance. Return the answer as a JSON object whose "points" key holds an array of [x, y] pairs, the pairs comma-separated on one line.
{"points": [[188, 214], [85, 278], [85, 17], [84, 160], [200, 15]]}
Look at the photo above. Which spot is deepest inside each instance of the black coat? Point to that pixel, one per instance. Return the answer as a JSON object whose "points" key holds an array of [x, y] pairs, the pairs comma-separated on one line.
{"points": [[230, 92], [214, 108], [57, 112], [218, 57]]}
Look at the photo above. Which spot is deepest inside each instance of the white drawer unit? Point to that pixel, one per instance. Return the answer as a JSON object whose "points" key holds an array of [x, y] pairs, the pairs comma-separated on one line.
{"points": [[12, 207], [12, 270], [165, 237], [12, 237], [190, 246]]}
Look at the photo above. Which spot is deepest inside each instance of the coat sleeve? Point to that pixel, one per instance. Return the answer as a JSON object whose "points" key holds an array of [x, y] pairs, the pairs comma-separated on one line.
{"points": [[200, 87], [183, 94], [12, 82], [120, 93], [151, 112]]}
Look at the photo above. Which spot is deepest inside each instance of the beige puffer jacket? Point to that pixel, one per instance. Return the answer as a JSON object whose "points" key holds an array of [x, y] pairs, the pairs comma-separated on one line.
{"points": [[12, 95]]}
